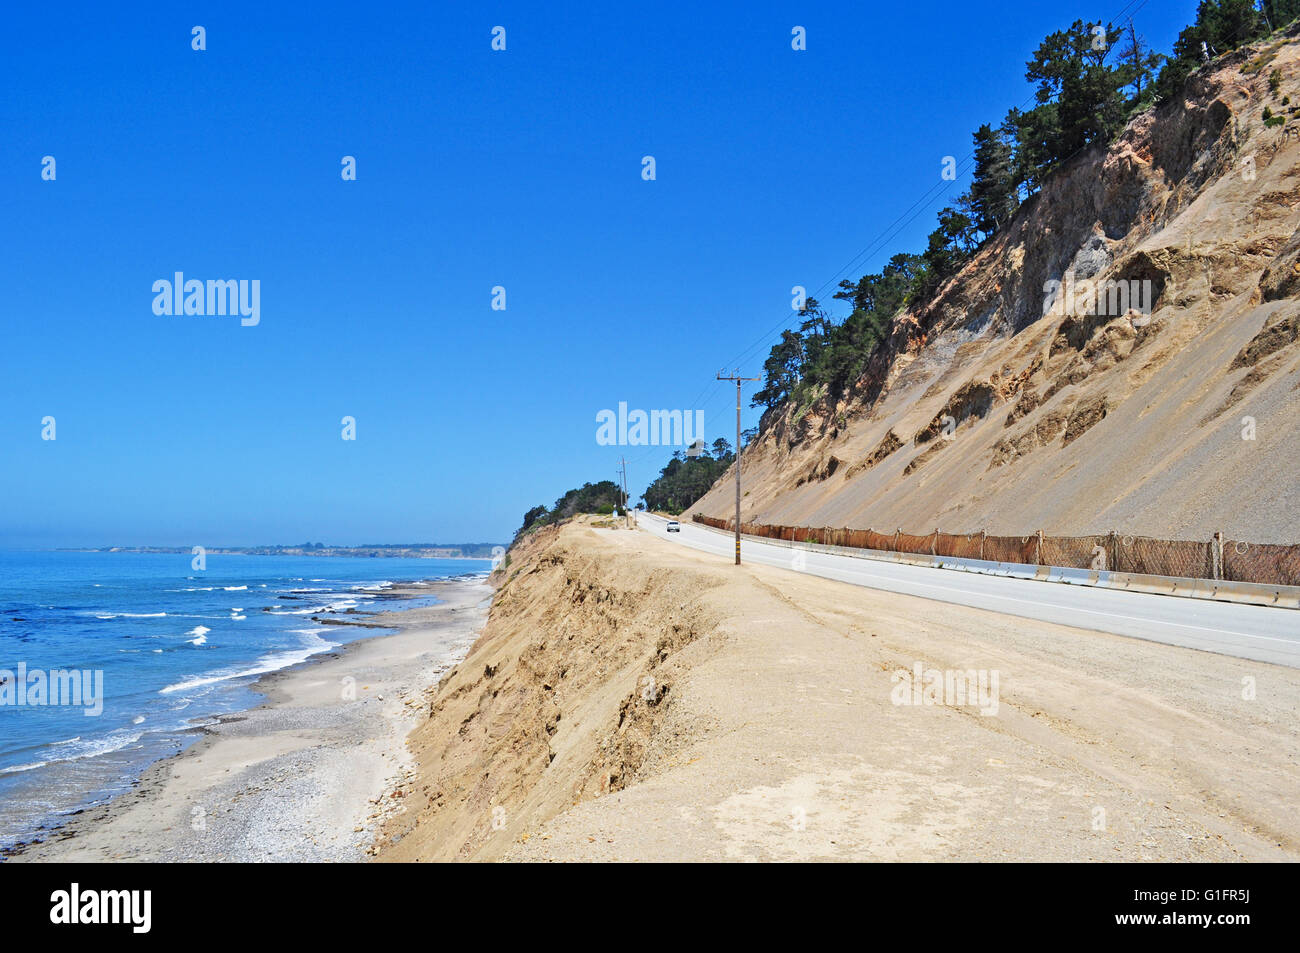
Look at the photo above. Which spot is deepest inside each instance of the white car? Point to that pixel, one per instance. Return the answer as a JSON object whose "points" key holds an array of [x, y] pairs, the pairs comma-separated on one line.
{"points": [[674, 526]]}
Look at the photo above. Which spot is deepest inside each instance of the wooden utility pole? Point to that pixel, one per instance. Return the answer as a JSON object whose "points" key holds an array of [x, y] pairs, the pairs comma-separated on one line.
{"points": [[627, 512], [737, 378]]}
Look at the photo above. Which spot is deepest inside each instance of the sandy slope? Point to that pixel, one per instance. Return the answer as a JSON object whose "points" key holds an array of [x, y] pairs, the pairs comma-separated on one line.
{"points": [[1073, 425], [631, 700]]}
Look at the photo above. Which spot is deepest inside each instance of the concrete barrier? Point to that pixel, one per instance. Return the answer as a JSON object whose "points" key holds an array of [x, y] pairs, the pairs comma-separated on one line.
{"points": [[1247, 593]]}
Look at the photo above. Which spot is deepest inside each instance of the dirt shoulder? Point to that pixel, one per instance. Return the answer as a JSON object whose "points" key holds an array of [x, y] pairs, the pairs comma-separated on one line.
{"points": [[634, 700]]}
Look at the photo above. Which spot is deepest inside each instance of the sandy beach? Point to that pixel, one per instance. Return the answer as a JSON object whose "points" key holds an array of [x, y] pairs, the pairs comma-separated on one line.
{"points": [[307, 776]]}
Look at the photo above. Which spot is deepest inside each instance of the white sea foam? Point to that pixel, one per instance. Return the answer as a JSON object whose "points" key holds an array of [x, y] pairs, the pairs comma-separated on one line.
{"points": [[113, 741], [328, 607], [314, 644], [200, 633]]}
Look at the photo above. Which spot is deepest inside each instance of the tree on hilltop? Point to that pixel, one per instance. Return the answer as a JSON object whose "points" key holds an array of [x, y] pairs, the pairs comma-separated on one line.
{"points": [[992, 199]]}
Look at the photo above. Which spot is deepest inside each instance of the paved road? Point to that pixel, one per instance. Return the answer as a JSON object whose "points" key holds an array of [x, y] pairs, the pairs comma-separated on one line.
{"points": [[1249, 632]]}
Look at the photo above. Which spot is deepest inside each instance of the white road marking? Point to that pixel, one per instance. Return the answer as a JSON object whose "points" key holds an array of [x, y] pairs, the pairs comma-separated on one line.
{"points": [[827, 566]]}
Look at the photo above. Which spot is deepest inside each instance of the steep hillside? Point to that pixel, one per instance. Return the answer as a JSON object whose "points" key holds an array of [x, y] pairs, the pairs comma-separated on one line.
{"points": [[1084, 418]]}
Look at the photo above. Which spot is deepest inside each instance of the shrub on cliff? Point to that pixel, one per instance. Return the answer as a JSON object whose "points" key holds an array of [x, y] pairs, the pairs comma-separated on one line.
{"points": [[603, 498]]}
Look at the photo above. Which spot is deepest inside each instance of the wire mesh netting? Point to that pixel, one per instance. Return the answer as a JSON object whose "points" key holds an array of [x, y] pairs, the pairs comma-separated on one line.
{"points": [[1273, 563], [1163, 557], [857, 538], [1011, 549], [959, 547], [881, 541], [1074, 552], [907, 543], [1237, 561]]}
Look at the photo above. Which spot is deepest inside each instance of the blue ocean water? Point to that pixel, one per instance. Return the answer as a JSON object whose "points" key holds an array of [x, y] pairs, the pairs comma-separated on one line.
{"points": [[176, 648]]}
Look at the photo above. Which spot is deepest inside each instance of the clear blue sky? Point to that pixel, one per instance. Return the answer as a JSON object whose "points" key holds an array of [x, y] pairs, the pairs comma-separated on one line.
{"points": [[474, 169]]}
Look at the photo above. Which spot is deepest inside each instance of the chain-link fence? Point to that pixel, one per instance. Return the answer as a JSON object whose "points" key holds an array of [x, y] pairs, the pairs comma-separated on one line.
{"points": [[1271, 564]]}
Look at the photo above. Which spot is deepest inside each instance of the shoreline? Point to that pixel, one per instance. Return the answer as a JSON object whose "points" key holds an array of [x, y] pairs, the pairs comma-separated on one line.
{"points": [[308, 774]]}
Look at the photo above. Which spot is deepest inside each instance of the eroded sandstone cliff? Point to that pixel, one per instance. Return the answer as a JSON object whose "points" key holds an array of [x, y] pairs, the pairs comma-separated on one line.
{"points": [[1016, 401]]}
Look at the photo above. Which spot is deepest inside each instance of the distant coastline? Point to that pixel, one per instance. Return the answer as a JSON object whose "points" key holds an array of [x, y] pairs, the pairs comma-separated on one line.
{"points": [[412, 551]]}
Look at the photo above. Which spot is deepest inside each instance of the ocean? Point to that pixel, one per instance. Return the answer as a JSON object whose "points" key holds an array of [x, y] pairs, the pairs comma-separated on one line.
{"points": [[164, 649]]}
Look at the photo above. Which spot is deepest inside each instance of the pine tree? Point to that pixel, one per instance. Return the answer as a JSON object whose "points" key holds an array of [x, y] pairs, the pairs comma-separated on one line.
{"points": [[1032, 134], [1138, 63], [1081, 101], [1281, 12], [1230, 23], [992, 200], [1221, 25], [781, 371], [946, 251], [1071, 71]]}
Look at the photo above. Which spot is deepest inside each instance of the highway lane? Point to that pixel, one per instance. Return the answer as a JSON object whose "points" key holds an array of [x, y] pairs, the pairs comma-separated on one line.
{"points": [[1244, 631]]}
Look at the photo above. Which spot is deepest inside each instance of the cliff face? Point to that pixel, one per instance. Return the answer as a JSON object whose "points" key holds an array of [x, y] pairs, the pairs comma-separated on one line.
{"points": [[558, 701], [1016, 400]]}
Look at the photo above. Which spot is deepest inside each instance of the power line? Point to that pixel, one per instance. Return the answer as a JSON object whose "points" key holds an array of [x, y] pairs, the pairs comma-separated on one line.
{"points": [[738, 379], [920, 205], [898, 224]]}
